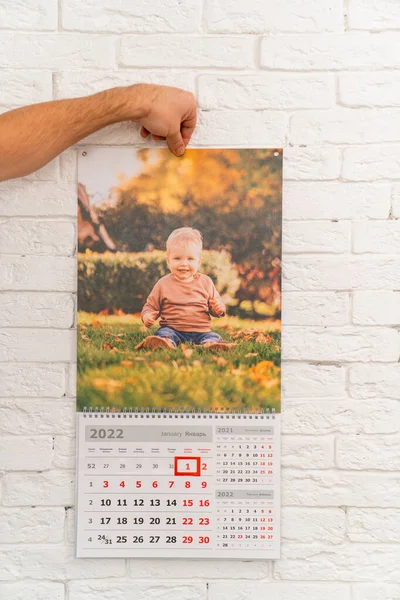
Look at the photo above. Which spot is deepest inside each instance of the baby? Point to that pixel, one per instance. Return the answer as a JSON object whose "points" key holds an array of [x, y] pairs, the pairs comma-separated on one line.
{"points": [[184, 299]]}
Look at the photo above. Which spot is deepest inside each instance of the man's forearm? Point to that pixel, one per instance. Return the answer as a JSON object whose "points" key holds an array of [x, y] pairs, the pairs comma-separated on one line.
{"points": [[32, 136]]}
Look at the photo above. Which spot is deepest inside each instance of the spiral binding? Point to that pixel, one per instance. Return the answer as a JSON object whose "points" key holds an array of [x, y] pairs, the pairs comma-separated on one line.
{"points": [[147, 413]]}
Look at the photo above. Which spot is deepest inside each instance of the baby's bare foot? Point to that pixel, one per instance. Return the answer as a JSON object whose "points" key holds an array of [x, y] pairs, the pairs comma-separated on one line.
{"points": [[154, 341], [217, 345]]}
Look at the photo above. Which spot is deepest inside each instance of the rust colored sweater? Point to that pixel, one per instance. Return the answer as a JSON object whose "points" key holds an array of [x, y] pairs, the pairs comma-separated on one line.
{"points": [[182, 305]]}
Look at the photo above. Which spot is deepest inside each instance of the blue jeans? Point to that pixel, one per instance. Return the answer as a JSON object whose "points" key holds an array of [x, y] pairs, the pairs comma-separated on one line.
{"points": [[192, 337]]}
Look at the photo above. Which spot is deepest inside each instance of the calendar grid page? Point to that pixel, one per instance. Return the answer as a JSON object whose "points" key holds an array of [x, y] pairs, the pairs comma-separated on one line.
{"points": [[178, 485]]}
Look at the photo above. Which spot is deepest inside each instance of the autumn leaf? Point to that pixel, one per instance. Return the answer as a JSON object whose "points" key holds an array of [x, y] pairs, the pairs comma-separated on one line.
{"points": [[107, 385], [96, 323], [187, 352], [251, 354], [104, 312], [220, 360], [108, 346], [126, 363], [265, 373], [263, 339]]}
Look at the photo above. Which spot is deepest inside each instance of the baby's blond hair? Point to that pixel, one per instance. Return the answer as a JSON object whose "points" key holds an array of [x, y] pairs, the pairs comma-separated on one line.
{"points": [[185, 235]]}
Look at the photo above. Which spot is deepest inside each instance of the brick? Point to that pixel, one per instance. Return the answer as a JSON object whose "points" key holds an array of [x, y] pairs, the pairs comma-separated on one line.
{"points": [[70, 525], [39, 416], [367, 163], [317, 164], [69, 168], [378, 237], [35, 237], [307, 452], [125, 133], [57, 51], [376, 308], [19, 309], [368, 452], [313, 524], [38, 15], [81, 83], [369, 88], [396, 201], [307, 416], [141, 17], [336, 200], [64, 452], [185, 51], [260, 17], [278, 91], [344, 344], [124, 590], [184, 569], [335, 51], [376, 591], [301, 379], [25, 198], [326, 309], [37, 345], [345, 126], [32, 380], [241, 128], [40, 562], [349, 562], [32, 590], [342, 273], [55, 273], [366, 14], [244, 590], [32, 525], [373, 524], [316, 236], [39, 489], [47, 173], [25, 454], [340, 488], [369, 381], [19, 87], [71, 381]]}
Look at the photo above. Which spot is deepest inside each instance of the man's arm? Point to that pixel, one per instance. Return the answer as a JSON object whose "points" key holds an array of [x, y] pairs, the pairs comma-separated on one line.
{"points": [[32, 136]]}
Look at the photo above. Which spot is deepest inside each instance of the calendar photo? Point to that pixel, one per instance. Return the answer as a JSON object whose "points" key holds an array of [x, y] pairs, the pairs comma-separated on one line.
{"points": [[179, 280]]}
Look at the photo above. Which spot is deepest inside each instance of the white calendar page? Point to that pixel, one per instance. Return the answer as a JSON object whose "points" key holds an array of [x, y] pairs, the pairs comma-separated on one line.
{"points": [[178, 485]]}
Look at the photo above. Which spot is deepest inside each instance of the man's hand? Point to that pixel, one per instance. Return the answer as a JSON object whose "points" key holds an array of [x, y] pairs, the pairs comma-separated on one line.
{"points": [[149, 320], [32, 136], [170, 115], [217, 306]]}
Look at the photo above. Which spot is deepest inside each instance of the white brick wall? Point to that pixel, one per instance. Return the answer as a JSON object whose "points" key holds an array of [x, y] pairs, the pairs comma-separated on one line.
{"points": [[321, 79]]}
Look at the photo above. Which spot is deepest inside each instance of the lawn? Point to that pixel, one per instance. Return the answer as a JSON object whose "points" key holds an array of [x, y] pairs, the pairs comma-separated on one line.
{"points": [[112, 374]]}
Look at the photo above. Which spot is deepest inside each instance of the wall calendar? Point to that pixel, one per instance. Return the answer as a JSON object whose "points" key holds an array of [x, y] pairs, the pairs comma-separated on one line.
{"points": [[178, 398]]}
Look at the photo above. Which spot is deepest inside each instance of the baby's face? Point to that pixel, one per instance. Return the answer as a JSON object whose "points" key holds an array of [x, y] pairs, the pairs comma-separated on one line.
{"points": [[184, 260]]}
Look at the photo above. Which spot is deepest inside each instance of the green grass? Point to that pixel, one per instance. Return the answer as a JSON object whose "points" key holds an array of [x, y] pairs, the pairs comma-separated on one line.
{"points": [[247, 377]]}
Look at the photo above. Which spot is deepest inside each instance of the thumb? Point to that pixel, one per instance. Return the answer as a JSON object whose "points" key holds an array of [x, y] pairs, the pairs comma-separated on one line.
{"points": [[175, 143]]}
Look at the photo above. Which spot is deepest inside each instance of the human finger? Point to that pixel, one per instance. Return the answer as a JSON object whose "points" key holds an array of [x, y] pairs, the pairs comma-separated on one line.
{"points": [[175, 143], [188, 125]]}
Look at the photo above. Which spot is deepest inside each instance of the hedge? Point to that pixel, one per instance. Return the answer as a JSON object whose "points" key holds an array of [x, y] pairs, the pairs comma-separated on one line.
{"points": [[122, 281]]}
